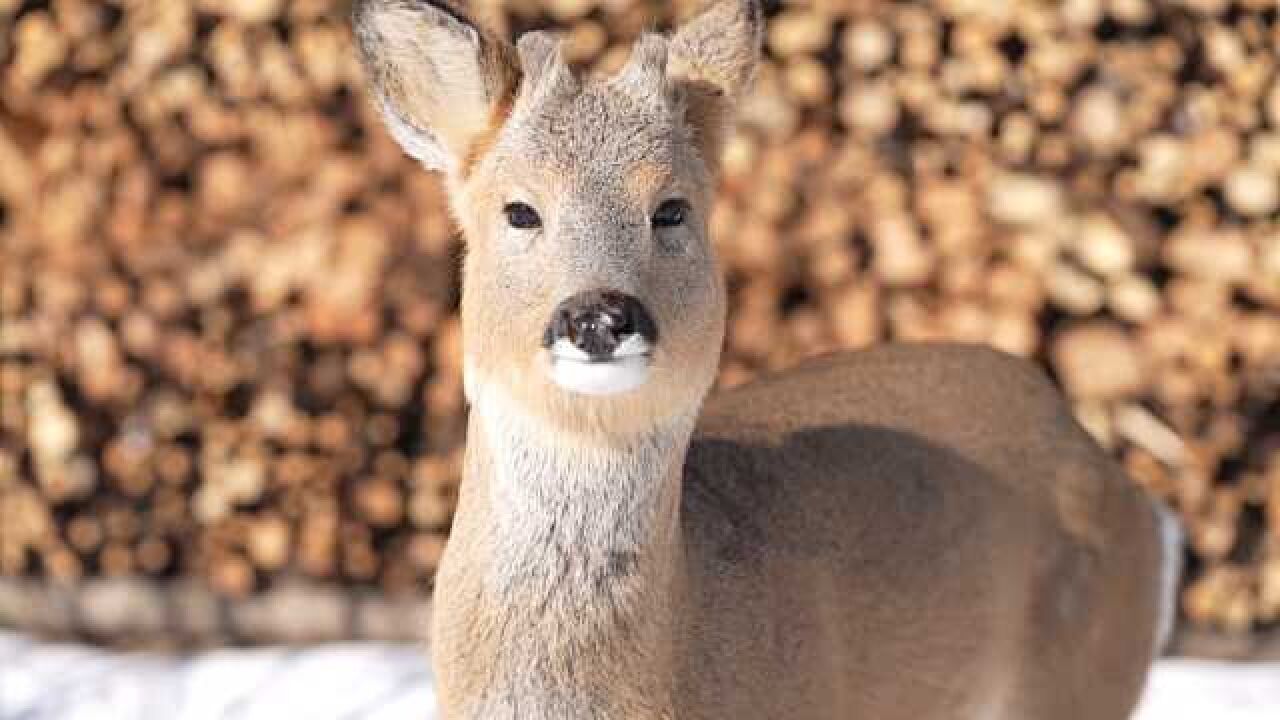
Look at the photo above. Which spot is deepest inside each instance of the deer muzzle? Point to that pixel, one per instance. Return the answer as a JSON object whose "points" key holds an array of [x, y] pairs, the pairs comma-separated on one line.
{"points": [[600, 342]]}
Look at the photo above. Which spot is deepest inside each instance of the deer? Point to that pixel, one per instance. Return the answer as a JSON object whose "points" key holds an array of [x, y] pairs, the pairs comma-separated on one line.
{"points": [[908, 531]]}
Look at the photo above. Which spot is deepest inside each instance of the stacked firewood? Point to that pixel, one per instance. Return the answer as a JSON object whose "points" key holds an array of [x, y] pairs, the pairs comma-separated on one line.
{"points": [[229, 349]]}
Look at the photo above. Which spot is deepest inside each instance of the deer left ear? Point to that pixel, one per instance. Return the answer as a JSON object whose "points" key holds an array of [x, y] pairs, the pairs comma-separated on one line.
{"points": [[442, 82], [713, 58]]}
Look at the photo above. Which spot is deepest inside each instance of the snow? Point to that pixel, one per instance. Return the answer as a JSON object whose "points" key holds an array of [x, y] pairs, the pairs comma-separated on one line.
{"points": [[1181, 688], [388, 682]]}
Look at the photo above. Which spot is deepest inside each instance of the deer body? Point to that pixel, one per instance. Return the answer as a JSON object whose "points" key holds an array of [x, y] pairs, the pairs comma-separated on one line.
{"points": [[871, 556], [908, 532]]}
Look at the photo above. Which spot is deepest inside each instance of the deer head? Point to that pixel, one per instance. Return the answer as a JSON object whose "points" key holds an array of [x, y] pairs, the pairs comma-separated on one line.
{"points": [[592, 298]]}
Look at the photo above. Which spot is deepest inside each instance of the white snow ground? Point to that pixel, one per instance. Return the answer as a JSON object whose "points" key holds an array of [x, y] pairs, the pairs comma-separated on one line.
{"points": [[389, 682]]}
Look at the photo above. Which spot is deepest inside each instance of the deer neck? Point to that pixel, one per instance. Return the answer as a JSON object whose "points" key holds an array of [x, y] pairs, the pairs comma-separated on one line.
{"points": [[565, 572]]}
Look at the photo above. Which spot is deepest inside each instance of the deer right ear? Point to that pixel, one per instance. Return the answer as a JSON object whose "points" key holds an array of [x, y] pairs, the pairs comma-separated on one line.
{"points": [[442, 82]]}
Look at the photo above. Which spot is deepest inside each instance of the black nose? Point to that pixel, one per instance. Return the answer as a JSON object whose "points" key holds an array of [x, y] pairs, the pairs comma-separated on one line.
{"points": [[598, 321]]}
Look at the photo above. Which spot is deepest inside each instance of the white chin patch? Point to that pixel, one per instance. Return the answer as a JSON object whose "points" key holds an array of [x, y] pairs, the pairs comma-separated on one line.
{"points": [[600, 378], [626, 371]]}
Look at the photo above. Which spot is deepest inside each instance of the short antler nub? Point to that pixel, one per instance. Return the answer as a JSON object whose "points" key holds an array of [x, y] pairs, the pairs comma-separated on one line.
{"points": [[644, 77], [545, 71]]}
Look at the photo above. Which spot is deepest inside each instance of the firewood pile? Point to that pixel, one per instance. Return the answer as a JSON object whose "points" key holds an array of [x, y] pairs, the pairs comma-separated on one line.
{"points": [[229, 352]]}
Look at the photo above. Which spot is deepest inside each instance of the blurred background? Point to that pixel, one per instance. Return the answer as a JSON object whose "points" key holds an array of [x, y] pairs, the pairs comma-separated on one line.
{"points": [[230, 392]]}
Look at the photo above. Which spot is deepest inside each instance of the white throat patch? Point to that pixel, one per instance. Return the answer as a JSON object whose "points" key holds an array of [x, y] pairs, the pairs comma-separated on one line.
{"points": [[550, 490]]}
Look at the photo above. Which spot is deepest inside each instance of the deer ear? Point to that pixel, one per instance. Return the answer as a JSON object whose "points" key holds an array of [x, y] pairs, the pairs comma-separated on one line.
{"points": [[713, 58], [441, 81]]}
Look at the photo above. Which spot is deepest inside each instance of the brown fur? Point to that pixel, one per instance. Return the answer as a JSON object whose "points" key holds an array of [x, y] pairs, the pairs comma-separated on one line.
{"points": [[936, 530], [910, 532]]}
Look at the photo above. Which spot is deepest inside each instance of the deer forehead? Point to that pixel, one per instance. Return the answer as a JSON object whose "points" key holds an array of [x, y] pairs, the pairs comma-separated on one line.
{"points": [[599, 137]]}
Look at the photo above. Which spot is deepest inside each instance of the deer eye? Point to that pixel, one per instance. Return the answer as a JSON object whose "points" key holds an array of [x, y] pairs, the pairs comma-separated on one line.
{"points": [[671, 213], [520, 215]]}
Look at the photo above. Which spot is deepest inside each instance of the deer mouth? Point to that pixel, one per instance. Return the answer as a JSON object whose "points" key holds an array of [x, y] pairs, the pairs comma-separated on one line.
{"points": [[600, 342], [623, 370]]}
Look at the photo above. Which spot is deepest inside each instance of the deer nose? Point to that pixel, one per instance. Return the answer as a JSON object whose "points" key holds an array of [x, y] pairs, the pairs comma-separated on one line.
{"points": [[601, 325]]}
